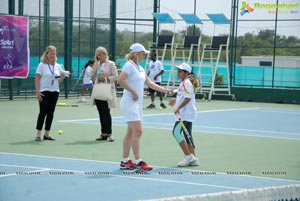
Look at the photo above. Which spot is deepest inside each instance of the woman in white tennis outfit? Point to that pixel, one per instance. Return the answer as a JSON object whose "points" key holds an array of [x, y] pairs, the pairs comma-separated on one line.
{"points": [[133, 78]]}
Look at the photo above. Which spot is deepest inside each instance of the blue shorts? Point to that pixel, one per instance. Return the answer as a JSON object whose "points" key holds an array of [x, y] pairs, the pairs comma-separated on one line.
{"points": [[89, 85]]}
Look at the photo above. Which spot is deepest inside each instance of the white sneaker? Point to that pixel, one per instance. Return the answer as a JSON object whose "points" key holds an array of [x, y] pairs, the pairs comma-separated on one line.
{"points": [[195, 162], [187, 160], [82, 100]]}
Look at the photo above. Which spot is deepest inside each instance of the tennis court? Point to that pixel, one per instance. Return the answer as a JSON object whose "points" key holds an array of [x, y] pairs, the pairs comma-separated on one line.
{"points": [[240, 145]]}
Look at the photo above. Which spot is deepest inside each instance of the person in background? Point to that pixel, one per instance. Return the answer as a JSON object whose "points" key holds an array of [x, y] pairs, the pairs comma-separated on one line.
{"points": [[48, 75], [87, 80], [133, 78], [156, 69], [104, 69]]}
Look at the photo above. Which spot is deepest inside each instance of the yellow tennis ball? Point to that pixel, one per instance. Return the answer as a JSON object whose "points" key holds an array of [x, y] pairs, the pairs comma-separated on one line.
{"points": [[60, 132], [160, 108]]}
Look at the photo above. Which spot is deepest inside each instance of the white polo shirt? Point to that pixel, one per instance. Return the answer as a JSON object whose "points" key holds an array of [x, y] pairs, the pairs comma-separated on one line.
{"points": [[48, 73]]}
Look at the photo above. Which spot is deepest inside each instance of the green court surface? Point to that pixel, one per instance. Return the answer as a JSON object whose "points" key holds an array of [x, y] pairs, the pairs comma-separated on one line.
{"points": [[218, 152]]}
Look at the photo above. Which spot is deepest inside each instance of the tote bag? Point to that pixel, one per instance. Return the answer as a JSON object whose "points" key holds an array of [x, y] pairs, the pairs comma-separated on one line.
{"points": [[102, 91]]}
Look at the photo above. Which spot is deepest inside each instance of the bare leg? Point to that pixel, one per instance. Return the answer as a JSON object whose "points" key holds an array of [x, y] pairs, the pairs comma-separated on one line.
{"points": [[47, 133], [83, 91], [152, 97], [132, 139], [38, 133], [184, 147], [160, 96], [191, 149], [127, 142]]}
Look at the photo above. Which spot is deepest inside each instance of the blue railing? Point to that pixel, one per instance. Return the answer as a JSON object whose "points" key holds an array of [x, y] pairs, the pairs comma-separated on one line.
{"points": [[243, 75]]}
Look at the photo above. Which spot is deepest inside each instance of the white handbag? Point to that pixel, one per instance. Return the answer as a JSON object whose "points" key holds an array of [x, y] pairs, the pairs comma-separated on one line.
{"points": [[102, 91]]}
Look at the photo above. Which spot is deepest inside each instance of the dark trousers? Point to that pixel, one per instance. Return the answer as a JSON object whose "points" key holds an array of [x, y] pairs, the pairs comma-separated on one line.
{"points": [[47, 107], [104, 115]]}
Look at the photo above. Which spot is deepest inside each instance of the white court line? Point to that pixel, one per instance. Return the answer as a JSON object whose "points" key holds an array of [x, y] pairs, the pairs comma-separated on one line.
{"points": [[122, 176], [148, 124], [28, 167], [282, 111], [117, 163], [149, 115], [251, 130]]}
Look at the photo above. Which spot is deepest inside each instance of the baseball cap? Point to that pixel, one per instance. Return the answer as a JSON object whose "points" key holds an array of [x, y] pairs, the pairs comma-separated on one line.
{"points": [[185, 66], [137, 47]]}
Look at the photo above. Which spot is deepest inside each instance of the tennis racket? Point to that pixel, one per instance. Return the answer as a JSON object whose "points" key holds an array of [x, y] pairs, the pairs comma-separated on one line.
{"points": [[66, 105], [184, 129], [195, 82]]}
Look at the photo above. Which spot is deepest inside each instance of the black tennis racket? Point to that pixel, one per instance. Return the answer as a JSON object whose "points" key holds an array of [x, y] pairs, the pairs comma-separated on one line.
{"points": [[189, 137]]}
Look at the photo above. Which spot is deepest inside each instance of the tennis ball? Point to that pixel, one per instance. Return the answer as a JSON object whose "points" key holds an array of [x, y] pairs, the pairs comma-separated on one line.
{"points": [[60, 132], [160, 108]]}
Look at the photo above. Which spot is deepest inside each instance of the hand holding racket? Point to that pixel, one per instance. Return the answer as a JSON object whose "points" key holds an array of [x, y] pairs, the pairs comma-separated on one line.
{"points": [[184, 128]]}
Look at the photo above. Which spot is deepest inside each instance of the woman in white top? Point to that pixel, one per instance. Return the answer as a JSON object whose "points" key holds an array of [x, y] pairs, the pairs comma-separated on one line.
{"points": [[133, 78], [48, 76]]}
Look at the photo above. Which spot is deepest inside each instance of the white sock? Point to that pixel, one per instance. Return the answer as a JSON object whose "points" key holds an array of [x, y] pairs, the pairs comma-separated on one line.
{"points": [[138, 160], [125, 160]]}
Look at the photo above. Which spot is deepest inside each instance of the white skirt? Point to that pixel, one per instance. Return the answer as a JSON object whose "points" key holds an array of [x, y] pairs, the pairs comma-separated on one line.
{"points": [[131, 110]]}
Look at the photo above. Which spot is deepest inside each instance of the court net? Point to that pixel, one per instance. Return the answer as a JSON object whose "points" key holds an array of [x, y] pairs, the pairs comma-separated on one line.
{"points": [[278, 193]]}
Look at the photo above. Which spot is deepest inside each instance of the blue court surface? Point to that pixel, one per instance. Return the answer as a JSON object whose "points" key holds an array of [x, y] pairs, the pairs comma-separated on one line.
{"points": [[28, 177], [256, 122], [34, 178]]}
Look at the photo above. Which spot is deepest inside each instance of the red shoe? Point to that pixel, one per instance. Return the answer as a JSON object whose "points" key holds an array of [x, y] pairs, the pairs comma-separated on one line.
{"points": [[129, 165], [143, 166]]}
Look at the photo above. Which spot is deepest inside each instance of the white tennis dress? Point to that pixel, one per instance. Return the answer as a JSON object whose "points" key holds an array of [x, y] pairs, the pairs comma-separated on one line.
{"points": [[132, 110]]}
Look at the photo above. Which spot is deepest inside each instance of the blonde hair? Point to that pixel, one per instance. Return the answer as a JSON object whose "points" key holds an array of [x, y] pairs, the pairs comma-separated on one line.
{"points": [[131, 56], [102, 50], [44, 58]]}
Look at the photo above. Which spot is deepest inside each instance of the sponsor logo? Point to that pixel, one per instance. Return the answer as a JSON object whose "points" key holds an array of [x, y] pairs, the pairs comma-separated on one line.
{"points": [[283, 8], [3, 29], [7, 44], [9, 62], [246, 8]]}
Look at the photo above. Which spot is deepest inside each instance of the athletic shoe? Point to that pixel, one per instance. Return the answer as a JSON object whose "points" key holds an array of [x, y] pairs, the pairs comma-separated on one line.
{"points": [[37, 139], [186, 161], [81, 100], [143, 166], [163, 105], [129, 165], [151, 106], [195, 163]]}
